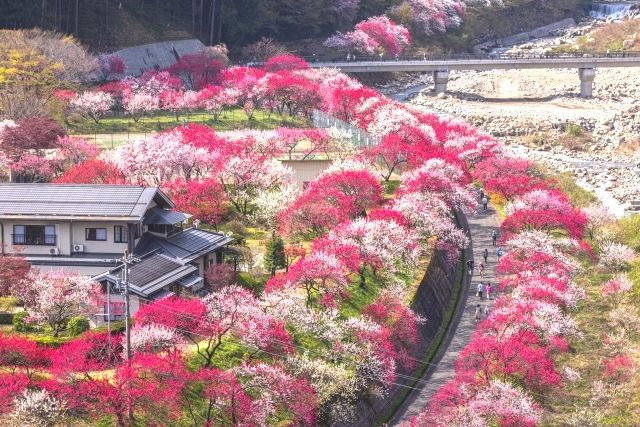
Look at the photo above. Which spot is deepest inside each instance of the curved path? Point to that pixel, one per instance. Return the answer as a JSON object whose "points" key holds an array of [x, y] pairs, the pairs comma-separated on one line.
{"points": [[481, 225]]}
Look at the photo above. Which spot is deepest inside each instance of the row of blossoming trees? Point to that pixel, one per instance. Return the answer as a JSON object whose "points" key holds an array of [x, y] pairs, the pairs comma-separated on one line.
{"points": [[508, 370], [295, 353]]}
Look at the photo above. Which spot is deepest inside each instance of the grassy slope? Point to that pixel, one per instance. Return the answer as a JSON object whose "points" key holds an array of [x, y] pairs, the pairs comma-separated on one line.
{"points": [[113, 131]]}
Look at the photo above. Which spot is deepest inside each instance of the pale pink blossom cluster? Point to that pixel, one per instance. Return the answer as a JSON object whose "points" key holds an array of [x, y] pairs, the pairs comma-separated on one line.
{"points": [[94, 104], [160, 158], [153, 338], [616, 256], [618, 285]]}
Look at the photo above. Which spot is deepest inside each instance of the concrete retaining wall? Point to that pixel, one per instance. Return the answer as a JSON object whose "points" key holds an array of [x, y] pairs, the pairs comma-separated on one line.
{"points": [[441, 282]]}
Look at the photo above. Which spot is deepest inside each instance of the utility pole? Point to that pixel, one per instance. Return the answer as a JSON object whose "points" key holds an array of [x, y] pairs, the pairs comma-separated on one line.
{"points": [[126, 260]]}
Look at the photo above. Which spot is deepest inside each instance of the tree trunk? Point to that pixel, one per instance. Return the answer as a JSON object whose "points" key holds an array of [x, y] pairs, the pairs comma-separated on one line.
{"points": [[212, 23]]}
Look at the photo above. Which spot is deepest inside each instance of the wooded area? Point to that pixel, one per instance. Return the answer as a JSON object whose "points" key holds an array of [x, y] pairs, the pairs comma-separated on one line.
{"points": [[115, 23]]}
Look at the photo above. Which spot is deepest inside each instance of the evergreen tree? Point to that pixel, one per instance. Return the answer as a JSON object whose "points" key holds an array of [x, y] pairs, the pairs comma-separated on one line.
{"points": [[274, 257]]}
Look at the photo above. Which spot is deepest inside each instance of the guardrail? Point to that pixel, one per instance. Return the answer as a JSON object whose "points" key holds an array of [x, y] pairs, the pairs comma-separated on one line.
{"points": [[471, 56]]}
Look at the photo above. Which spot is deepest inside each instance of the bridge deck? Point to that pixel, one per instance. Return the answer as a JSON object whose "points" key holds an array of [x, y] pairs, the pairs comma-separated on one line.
{"points": [[482, 64]]}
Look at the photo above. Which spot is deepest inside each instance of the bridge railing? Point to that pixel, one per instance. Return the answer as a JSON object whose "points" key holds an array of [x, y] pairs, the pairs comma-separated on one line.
{"points": [[471, 56], [358, 136]]}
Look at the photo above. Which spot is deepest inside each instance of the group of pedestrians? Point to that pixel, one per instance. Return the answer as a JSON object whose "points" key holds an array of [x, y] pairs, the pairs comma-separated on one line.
{"points": [[484, 290], [480, 312], [483, 199]]}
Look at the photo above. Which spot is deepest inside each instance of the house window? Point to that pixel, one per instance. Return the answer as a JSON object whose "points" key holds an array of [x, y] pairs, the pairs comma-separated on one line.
{"points": [[37, 235], [95, 234], [120, 234], [113, 311]]}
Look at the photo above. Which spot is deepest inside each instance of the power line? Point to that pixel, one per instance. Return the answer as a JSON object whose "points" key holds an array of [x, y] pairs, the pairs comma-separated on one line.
{"points": [[273, 340]]}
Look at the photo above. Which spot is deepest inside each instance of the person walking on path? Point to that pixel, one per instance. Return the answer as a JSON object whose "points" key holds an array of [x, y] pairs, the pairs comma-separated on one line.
{"points": [[488, 287], [494, 237], [486, 311], [478, 313], [480, 193], [485, 254], [485, 202], [481, 268], [499, 253], [480, 290], [470, 266]]}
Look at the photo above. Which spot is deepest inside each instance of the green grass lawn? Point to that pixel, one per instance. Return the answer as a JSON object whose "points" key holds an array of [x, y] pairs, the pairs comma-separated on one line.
{"points": [[115, 130]]}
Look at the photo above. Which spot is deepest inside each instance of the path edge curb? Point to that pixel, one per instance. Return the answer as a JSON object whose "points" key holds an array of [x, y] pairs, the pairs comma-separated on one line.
{"points": [[446, 330]]}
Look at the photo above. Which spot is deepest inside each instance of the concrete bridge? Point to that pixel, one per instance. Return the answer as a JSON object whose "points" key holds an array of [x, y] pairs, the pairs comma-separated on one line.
{"points": [[585, 63]]}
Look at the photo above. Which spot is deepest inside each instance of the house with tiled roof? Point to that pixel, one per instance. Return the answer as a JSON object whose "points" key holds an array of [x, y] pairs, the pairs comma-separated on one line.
{"points": [[87, 228]]}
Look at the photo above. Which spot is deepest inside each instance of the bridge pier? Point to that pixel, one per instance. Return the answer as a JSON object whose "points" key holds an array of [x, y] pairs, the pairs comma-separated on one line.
{"points": [[587, 75], [441, 78]]}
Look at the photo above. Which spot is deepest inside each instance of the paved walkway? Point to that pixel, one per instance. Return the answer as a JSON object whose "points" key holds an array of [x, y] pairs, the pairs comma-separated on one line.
{"points": [[481, 225]]}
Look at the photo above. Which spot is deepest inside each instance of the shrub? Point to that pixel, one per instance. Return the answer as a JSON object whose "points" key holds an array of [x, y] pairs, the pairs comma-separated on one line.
{"points": [[575, 130], [239, 231], [78, 325], [6, 318], [19, 322]]}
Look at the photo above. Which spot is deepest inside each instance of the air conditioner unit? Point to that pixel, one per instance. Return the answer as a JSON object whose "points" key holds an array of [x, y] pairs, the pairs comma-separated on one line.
{"points": [[78, 248], [54, 251]]}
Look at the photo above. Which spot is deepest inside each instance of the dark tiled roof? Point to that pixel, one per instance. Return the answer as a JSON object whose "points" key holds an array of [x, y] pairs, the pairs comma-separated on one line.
{"points": [[150, 269], [151, 275], [164, 216], [78, 200], [184, 245]]}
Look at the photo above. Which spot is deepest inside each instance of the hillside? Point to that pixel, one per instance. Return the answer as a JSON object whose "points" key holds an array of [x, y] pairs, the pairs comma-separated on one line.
{"points": [[112, 24]]}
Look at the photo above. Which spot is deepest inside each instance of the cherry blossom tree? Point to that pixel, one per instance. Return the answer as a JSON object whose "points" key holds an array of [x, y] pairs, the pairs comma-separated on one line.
{"points": [[152, 338], [380, 245], [226, 401], [37, 408], [320, 275], [112, 66], [277, 392], [618, 368], [430, 216], [93, 171], [197, 69], [140, 103], [616, 256], [377, 34], [73, 150], [615, 288], [93, 104], [11, 385], [437, 177], [428, 17], [204, 199], [245, 178], [13, 272], [228, 311], [22, 356], [332, 198], [598, 216], [53, 298], [217, 99], [508, 176], [92, 352], [161, 158], [389, 310], [285, 62]]}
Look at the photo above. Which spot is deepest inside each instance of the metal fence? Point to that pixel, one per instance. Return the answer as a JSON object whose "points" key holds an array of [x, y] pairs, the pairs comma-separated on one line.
{"points": [[358, 136]]}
